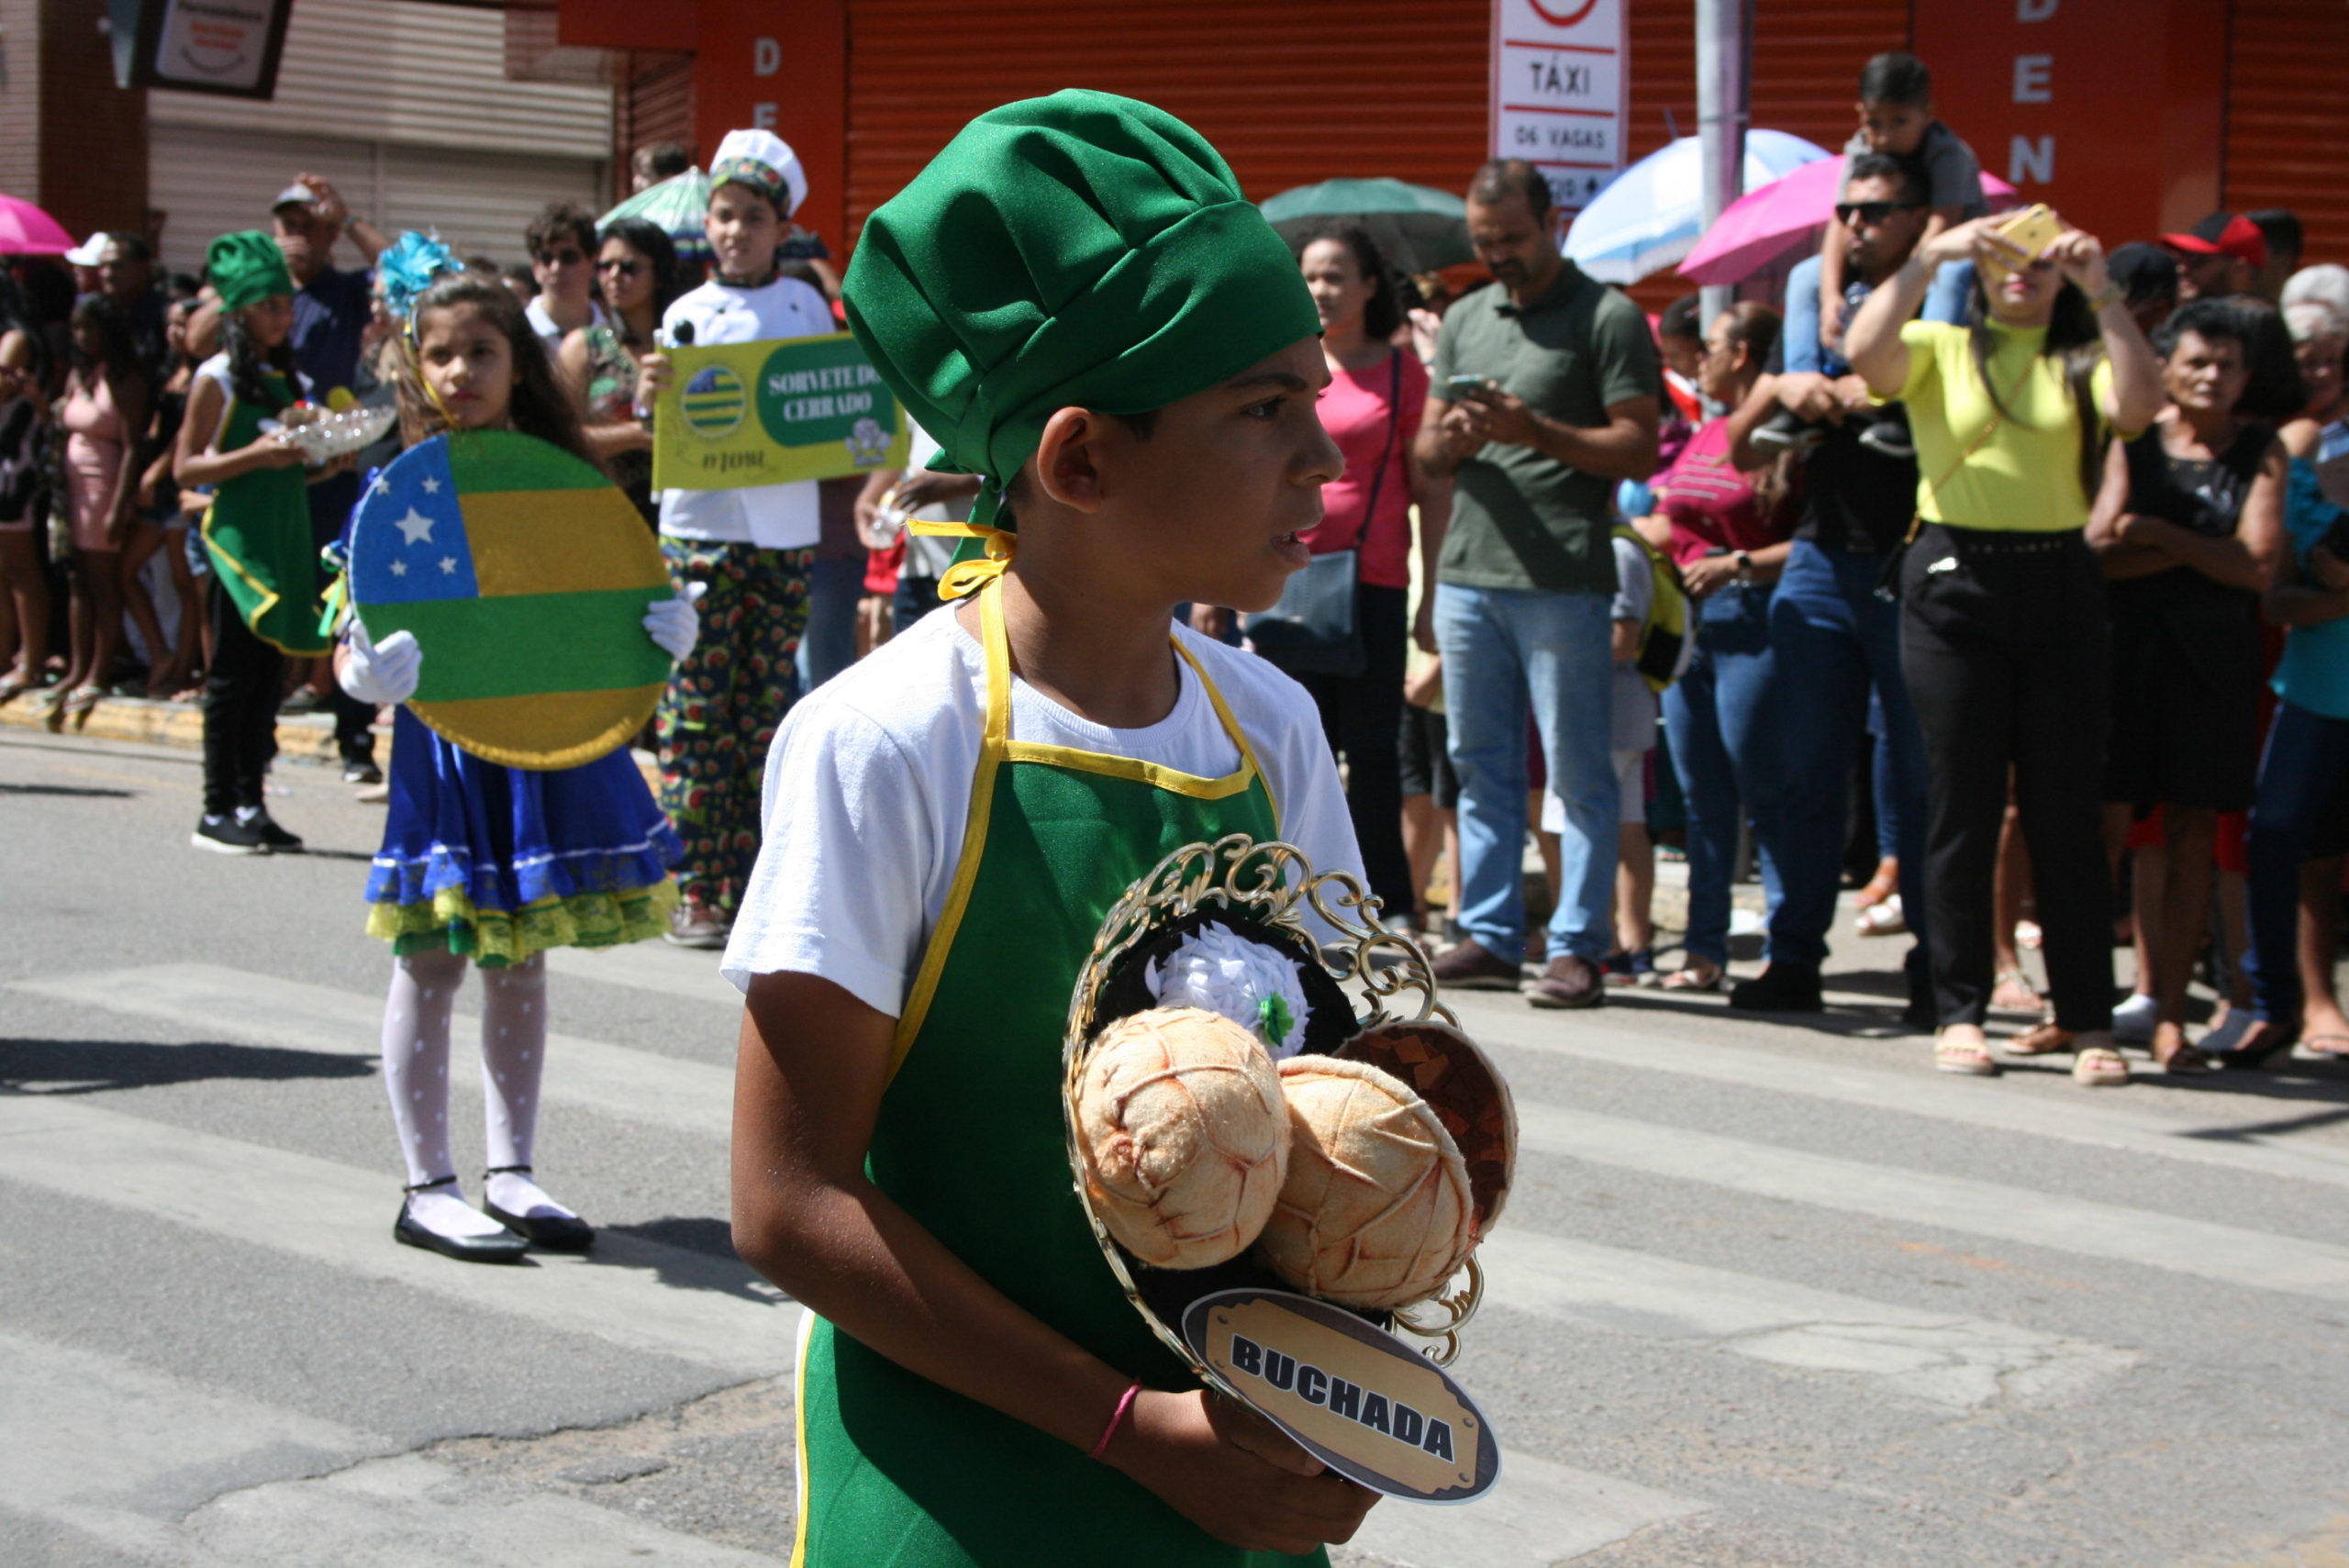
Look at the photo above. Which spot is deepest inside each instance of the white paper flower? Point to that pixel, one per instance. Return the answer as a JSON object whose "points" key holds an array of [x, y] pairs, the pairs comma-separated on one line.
{"points": [[1253, 986]]}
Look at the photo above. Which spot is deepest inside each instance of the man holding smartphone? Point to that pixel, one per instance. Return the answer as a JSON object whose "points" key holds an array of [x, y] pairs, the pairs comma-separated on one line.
{"points": [[1547, 390]]}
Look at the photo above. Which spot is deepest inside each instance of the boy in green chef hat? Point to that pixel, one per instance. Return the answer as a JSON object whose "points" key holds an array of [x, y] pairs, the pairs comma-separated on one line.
{"points": [[1077, 302]]}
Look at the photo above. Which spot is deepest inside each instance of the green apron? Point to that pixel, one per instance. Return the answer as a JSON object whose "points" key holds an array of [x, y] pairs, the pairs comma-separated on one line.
{"points": [[258, 530], [897, 1471]]}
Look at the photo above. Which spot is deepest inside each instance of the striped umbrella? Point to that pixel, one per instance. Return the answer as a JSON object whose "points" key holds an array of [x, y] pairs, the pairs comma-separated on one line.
{"points": [[675, 207]]}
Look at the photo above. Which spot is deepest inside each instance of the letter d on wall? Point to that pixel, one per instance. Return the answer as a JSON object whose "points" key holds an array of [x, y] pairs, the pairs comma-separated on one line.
{"points": [[766, 57]]}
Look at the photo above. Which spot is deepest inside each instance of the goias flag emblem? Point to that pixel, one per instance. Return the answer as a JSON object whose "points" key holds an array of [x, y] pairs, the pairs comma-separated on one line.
{"points": [[524, 575]]}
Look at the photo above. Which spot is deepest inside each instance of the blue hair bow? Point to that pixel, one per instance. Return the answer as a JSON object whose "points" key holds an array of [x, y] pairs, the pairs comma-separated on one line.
{"points": [[407, 267]]}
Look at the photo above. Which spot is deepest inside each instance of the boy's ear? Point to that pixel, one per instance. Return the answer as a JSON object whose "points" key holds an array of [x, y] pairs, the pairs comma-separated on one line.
{"points": [[1067, 458]]}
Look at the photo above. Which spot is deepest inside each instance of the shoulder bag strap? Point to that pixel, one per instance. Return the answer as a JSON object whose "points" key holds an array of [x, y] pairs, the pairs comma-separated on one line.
{"points": [[1386, 451]]}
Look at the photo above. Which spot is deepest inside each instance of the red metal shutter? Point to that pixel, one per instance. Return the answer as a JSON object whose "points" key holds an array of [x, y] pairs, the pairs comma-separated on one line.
{"points": [[2287, 117], [1290, 93], [654, 102]]}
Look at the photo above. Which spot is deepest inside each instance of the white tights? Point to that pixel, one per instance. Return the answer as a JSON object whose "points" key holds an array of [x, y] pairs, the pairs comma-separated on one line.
{"points": [[416, 1074]]}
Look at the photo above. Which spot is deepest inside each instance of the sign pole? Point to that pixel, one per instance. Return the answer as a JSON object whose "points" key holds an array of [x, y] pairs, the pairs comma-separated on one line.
{"points": [[1724, 85]]}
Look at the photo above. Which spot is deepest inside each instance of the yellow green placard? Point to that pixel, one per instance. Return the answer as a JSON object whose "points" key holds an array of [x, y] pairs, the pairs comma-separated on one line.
{"points": [[738, 414]]}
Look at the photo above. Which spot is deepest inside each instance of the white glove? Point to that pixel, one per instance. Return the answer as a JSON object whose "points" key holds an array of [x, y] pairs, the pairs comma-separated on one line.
{"points": [[674, 624], [382, 672]]}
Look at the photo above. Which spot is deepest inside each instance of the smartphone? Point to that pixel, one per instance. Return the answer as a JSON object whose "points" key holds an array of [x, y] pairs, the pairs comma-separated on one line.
{"points": [[2034, 228], [1475, 389]]}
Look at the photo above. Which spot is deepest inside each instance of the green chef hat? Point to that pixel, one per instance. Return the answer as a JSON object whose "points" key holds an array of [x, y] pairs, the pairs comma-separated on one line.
{"points": [[1081, 250], [246, 266]]}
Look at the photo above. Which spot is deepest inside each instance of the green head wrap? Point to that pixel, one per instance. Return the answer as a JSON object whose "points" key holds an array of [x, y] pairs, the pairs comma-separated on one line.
{"points": [[246, 266], [1082, 249]]}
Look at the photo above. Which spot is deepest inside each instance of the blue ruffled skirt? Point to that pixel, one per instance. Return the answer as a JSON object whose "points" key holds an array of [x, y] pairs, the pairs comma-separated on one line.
{"points": [[498, 863]]}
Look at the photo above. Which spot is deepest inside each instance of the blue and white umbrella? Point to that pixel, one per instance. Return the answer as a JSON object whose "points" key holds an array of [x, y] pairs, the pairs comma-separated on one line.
{"points": [[1653, 213]]}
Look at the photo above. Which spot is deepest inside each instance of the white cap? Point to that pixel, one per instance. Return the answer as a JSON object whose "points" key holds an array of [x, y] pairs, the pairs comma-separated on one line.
{"points": [[91, 252], [765, 147]]}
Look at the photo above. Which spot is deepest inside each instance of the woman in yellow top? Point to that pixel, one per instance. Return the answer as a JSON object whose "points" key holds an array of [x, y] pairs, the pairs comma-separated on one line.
{"points": [[2003, 634]]}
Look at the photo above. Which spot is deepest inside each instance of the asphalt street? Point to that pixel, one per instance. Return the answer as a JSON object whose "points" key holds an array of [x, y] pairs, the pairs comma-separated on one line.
{"points": [[1767, 1293]]}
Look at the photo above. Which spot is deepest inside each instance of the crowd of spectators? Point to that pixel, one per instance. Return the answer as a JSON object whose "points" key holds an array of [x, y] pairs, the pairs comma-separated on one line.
{"points": [[1961, 573]]}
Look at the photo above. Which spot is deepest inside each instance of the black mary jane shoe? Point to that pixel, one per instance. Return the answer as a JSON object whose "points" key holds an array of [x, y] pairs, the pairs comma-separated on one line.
{"points": [[550, 1233], [506, 1247]]}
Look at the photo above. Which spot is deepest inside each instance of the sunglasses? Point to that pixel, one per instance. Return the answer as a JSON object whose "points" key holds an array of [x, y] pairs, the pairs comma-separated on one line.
{"points": [[1854, 213], [564, 258], [625, 266]]}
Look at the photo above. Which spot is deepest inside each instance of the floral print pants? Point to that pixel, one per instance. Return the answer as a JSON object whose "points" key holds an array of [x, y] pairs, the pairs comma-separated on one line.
{"points": [[725, 703]]}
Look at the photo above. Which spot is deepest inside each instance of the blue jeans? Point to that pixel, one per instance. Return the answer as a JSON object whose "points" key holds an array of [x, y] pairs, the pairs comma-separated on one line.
{"points": [[829, 645], [2299, 781], [1722, 720], [1504, 649], [1836, 638]]}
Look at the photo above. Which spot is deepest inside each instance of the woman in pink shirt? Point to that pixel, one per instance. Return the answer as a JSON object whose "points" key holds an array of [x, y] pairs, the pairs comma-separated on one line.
{"points": [[1730, 539], [1372, 411]]}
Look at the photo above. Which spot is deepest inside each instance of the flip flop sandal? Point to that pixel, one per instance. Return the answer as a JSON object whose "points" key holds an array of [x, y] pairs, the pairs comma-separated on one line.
{"points": [[2187, 1062], [1973, 1061], [2017, 978], [2042, 1039], [1687, 978], [2101, 1067], [1883, 919]]}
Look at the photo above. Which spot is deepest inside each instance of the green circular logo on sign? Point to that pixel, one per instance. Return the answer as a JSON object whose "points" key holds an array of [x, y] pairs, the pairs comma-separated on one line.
{"points": [[715, 400], [818, 393]]}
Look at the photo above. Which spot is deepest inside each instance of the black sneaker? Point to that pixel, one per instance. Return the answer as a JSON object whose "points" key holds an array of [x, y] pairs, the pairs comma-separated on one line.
{"points": [[361, 770], [279, 840], [1781, 988], [1889, 438], [1786, 431], [229, 836]]}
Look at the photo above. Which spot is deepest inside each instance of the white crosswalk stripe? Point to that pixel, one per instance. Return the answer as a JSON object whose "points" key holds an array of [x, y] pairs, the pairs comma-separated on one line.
{"points": [[1939, 1097], [341, 1216], [164, 1469], [1946, 1357], [710, 1312]]}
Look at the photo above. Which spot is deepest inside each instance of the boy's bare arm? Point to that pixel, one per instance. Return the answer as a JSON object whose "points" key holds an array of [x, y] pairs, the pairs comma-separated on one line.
{"points": [[810, 1072], [1833, 258]]}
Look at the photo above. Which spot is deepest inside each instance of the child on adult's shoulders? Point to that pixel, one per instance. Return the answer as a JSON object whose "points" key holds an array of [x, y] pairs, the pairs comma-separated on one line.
{"points": [[1898, 119]]}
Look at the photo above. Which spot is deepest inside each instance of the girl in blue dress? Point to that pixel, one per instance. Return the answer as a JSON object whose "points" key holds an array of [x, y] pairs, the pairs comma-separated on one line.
{"points": [[481, 861]]}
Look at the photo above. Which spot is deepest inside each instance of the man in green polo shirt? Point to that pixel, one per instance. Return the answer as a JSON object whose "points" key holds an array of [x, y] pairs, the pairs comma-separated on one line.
{"points": [[1547, 391]]}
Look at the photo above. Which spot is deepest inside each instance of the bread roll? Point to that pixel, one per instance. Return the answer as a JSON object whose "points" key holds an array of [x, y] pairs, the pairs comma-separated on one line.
{"points": [[1184, 1135], [1375, 1211]]}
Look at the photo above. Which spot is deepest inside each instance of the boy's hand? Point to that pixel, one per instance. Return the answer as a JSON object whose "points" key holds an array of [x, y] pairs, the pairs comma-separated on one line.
{"points": [[653, 375], [1707, 573], [1808, 395], [1831, 332], [1235, 1475]]}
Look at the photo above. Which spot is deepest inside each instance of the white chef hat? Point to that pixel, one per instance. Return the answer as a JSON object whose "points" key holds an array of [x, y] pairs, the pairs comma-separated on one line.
{"points": [[766, 163]]}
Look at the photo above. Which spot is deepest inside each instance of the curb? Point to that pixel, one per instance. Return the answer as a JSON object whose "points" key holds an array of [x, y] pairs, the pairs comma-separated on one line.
{"points": [[301, 737]]}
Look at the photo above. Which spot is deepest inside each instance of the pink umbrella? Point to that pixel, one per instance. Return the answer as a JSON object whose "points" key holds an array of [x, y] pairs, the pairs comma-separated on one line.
{"points": [[26, 230], [1764, 224]]}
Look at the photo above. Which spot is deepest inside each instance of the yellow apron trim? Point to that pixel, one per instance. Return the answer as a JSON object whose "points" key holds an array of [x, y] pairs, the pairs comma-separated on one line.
{"points": [[799, 1424], [269, 595], [995, 746], [994, 741]]}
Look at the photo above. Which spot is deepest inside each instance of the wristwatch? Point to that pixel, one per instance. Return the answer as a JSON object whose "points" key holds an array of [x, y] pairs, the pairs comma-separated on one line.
{"points": [[1744, 565]]}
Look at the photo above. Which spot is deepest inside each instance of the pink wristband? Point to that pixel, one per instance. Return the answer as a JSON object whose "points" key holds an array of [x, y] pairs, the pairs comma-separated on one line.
{"points": [[1125, 1403]]}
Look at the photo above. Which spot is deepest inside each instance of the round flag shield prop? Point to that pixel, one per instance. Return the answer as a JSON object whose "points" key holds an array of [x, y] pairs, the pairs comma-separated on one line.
{"points": [[523, 574]]}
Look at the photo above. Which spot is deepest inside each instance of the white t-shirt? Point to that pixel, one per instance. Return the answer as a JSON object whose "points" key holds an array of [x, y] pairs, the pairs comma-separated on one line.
{"points": [[543, 325], [1634, 723], [773, 516], [868, 792]]}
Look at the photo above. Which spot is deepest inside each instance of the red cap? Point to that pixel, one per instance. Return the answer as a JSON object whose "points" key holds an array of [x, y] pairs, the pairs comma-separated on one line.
{"points": [[2222, 234]]}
